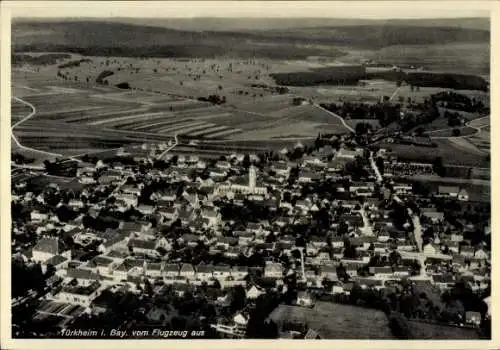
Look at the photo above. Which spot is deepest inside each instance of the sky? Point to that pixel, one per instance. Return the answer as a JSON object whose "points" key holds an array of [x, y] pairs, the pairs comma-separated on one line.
{"points": [[256, 9]]}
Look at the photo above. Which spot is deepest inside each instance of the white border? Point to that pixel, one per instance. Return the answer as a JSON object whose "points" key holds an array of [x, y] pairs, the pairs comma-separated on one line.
{"points": [[369, 9]]}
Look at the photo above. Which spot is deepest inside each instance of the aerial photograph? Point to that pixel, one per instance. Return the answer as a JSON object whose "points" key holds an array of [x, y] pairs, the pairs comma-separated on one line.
{"points": [[247, 177]]}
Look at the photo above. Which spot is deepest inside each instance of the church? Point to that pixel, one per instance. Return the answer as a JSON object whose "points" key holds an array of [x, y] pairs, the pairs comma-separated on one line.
{"points": [[242, 186]]}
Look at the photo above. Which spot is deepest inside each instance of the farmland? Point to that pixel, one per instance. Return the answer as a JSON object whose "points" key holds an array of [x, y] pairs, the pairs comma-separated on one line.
{"points": [[99, 97], [100, 116]]}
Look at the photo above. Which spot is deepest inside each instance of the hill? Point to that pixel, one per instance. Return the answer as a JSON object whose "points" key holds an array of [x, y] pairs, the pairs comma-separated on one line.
{"points": [[93, 37], [264, 24]]}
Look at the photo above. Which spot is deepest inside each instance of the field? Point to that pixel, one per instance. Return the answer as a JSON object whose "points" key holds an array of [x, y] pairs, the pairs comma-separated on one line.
{"points": [[450, 57], [446, 133], [100, 116], [337, 321], [431, 331], [167, 73], [449, 150], [479, 189]]}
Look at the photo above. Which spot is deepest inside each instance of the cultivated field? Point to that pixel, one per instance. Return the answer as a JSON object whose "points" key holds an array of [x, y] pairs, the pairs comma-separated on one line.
{"points": [[70, 105]]}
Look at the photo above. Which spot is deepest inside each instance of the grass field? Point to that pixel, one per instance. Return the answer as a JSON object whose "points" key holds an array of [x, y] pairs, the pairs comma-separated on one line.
{"points": [[337, 321], [431, 331], [448, 149]]}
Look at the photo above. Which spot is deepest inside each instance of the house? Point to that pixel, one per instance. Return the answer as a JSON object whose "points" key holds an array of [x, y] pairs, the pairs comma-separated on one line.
{"points": [[102, 265], [153, 270], [46, 248], [329, 273], [187, 271], [232, 252], [204, 272], [240, 320], [473, 318], [239, 272], [448, 191], [78, 295], [352, 268], [141, 246], [381, 271], [146, 209], [84, 277], [169, 195], [467, 251], [434, 216], [171, 270], [349, 154], [481, 254], [222, 271], [337, 242], [222, 164], [273, 270], [430, 249], [254, 292], [213, 217], [370, 282], [169, 213], [244, 238], [304, 299], [37, 217], [443, 281], [58, 262], [463, 195], [308, 176], [282, 169], [255, 228], [337, 288], [401, 271]]}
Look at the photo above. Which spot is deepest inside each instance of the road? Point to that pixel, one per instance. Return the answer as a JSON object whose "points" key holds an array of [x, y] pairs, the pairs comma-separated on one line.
{"points": [[394, 94], [176, 142], [417, 234], [468, 124], [336, 116], [28, 117], [375, 168], [367, 227], [417, 228]]}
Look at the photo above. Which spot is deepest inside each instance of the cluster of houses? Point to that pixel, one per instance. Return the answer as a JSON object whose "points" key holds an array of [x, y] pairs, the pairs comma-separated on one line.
{"points": [[134, 251]]}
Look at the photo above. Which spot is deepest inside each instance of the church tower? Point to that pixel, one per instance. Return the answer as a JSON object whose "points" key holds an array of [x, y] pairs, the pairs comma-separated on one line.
{"points": [[252, 178]]}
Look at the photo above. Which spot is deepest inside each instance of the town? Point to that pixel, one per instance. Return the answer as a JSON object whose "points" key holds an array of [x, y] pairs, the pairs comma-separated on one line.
{"points": [[304, 243]]}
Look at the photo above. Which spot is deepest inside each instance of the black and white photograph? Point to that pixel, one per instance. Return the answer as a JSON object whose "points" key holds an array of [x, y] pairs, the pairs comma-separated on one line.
{"points": [[248, 170]]}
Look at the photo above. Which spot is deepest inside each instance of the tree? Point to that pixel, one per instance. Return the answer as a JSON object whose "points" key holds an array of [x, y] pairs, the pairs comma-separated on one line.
{"points": [[238, 300], [380, 165], [438, 166], [342, 273], [395, 258], [363, 128], [399, 326], [148, 288]]}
